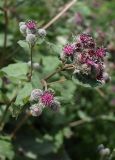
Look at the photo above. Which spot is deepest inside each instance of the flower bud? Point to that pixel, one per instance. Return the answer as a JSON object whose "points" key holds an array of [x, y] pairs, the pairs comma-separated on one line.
{"points": [[41, 32], [29, 63], [106, 77], [51, 90], [55, 106], [35, 94], [36, 65], [105, 152], [36, 110], [100, 147], [21, 23], [31, 38], [23, 29]]}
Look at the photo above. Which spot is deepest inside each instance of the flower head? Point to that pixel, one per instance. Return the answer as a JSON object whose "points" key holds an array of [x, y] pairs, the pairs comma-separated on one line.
{"points": [[87, 59], [35, 94], [85, 38], [87, 41], [91, 52], [55, 106], [36, 110], [31, 24], [47, 98], [42, 32], [31, 39], [23, 28], [100, 52], [69, 49], [43, 99]]}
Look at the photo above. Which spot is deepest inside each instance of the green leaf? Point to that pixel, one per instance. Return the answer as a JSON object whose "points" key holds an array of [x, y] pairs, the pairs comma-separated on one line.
{"points": [[23, 94], [68, 88], [67, 132], [2, 73], [16, 70], [50, 63], [58, 140], [6, 148], [55, 48], [24, 45], [40, 41]]}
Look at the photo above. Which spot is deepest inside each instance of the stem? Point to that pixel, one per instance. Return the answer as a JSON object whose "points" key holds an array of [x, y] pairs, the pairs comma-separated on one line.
{"points": [[77, 123], [101, 93], [4, 114], [31, 67], [67, 6], [31, 61], [58, 81], [66, 66], [52, 74], [6, 23]]}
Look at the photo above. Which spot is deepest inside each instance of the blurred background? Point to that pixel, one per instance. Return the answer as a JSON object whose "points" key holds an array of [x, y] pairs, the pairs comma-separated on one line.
{"points": [[87, 116]]}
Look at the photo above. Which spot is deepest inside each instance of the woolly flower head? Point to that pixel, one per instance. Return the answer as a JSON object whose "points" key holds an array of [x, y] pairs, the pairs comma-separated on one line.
{"points": [[31, 32], [87, 59], [44, 99], [47, 98], [36, 110], [31, 24]]}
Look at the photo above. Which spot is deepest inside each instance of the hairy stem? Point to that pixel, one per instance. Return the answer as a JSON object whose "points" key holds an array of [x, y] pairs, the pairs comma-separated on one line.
{"points": [[31, 60], [52, 74], [58, 81], [66, 66], [65, 8]]}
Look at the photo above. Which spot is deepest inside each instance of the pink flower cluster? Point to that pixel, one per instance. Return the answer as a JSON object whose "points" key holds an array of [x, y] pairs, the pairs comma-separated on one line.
{"points": [[43, 99], [87, 58], [30, 31]]}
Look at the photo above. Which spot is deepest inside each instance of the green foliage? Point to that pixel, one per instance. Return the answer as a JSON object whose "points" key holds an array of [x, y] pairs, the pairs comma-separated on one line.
{"points": [[24, 44], [6, 148], [17, 70], [86, 118], [23, 94]]}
